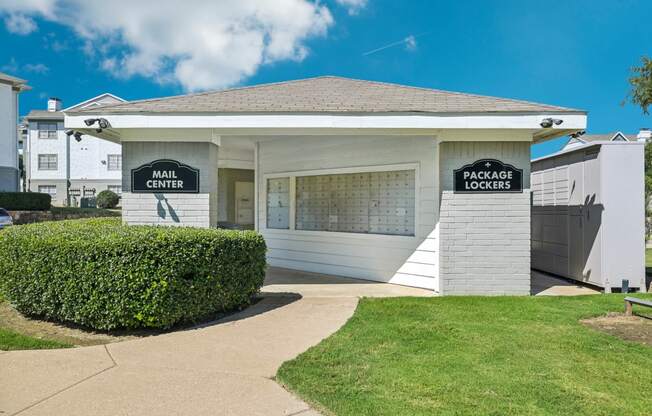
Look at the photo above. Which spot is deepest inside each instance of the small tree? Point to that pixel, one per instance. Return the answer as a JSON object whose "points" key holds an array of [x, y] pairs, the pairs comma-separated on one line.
{"points": [[107, 199]]}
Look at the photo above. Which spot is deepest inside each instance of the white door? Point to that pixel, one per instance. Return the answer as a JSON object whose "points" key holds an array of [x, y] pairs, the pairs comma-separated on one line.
{"points": [[244, 203]]}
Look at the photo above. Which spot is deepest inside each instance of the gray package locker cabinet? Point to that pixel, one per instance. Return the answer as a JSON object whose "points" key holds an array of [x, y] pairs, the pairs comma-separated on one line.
{"points": [[588, 215]]}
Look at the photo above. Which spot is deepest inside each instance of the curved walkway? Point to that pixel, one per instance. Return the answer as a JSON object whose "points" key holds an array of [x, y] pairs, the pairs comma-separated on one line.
{"points": [[225, 368]]}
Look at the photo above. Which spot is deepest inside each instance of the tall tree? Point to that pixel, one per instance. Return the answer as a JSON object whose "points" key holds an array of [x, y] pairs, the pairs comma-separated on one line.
{"points": [[641, 85], [641, 94]]}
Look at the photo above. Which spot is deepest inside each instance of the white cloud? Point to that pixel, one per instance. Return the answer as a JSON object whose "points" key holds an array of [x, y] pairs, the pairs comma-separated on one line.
{"points": [[37, 68], [11, 67], [59, 46], [200, 44], [19, 24], [411, 43], [18, 14], [353, 6]]}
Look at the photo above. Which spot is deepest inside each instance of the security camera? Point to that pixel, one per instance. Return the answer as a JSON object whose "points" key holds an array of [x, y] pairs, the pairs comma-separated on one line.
{"points": [[548, 122], [70, 132], [103, 123], [78, 136]]}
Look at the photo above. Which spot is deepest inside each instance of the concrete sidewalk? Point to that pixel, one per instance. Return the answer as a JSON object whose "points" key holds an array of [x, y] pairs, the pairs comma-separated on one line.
{"points": [[226, 368], [544, 284]]}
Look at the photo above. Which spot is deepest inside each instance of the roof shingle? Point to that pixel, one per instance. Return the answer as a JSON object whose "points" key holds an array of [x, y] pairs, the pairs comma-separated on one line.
{"points": [[44, 115], [607, 137], [327, 94]]}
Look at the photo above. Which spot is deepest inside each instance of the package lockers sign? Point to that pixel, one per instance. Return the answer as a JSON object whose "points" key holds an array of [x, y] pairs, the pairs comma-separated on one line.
{"points": [[165, 175], [488, 175]]}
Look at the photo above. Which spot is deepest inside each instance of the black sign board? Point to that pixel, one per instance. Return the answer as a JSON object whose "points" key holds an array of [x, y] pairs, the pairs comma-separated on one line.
{"points": [[488, 175], [165, 175]]}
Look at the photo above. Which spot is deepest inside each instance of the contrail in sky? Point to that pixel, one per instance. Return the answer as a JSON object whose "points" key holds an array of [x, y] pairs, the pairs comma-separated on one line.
{"points": [[409, 41]]}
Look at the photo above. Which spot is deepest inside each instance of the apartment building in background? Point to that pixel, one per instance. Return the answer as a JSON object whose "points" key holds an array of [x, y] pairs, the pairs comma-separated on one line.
{"points": [[63, 166], [644, 135], [10, 87]]}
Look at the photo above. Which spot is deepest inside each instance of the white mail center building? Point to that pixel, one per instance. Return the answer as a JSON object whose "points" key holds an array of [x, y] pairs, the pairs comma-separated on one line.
{"points": [[362, 179]]}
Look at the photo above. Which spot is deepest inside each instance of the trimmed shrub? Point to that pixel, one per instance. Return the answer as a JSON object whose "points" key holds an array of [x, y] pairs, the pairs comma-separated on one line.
{"points": [[101, 274], [107, 199], [25, 201]]}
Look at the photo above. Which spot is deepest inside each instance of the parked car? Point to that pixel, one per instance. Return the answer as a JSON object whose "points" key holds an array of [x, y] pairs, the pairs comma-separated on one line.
{"points": [[5, 219]]}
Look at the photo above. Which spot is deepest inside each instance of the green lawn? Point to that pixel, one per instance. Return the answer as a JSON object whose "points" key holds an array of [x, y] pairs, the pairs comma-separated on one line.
{"points": [[10, 340], [475, 356]]}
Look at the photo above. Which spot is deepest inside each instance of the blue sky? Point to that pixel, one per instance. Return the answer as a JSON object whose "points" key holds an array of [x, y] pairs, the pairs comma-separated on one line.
{"points": [[569, 53]]}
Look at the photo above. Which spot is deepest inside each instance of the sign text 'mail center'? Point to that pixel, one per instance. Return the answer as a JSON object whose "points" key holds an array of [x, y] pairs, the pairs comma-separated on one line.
{"points": [[164, 179], [165, 175]]}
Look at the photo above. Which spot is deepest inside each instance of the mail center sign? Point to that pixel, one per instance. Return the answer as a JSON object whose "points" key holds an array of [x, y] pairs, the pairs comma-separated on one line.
{"points": [[488, 176], [165, 175]]}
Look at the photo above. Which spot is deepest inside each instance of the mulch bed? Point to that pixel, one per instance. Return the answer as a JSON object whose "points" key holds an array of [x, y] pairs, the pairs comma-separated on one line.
{"points": [[630, 328]]}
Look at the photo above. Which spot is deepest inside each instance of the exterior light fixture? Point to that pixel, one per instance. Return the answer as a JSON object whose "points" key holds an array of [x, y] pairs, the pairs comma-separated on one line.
{"points": [[77, 135], [102, 123], [549, 122]]}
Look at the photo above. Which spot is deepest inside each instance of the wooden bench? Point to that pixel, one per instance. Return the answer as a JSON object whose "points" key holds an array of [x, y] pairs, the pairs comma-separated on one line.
{"points": [[629, 302]]}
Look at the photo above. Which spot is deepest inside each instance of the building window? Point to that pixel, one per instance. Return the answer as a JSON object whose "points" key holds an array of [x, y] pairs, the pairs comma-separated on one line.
{"points": [[47, 162], [114, 162], [278, 203], [47, 130], [370, 202], [48, 189], [116, 189]]}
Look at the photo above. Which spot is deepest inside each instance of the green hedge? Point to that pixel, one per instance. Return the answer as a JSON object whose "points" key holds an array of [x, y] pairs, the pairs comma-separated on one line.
{"points": [[107, 199], [101, 274], [25, 201]]}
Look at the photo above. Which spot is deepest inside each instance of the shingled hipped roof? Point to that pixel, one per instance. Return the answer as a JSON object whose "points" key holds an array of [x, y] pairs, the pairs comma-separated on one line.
{"points": [[328, 94], [17, 83]]}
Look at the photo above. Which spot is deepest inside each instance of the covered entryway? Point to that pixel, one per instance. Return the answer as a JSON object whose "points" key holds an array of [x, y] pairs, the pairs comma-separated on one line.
{"points": [[235, 199]]}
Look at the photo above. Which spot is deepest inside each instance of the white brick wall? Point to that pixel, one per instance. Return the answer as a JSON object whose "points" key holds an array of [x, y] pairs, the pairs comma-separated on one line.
{"points": [[485, 244], [484, 238], [185, 209], [173, 209]]}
